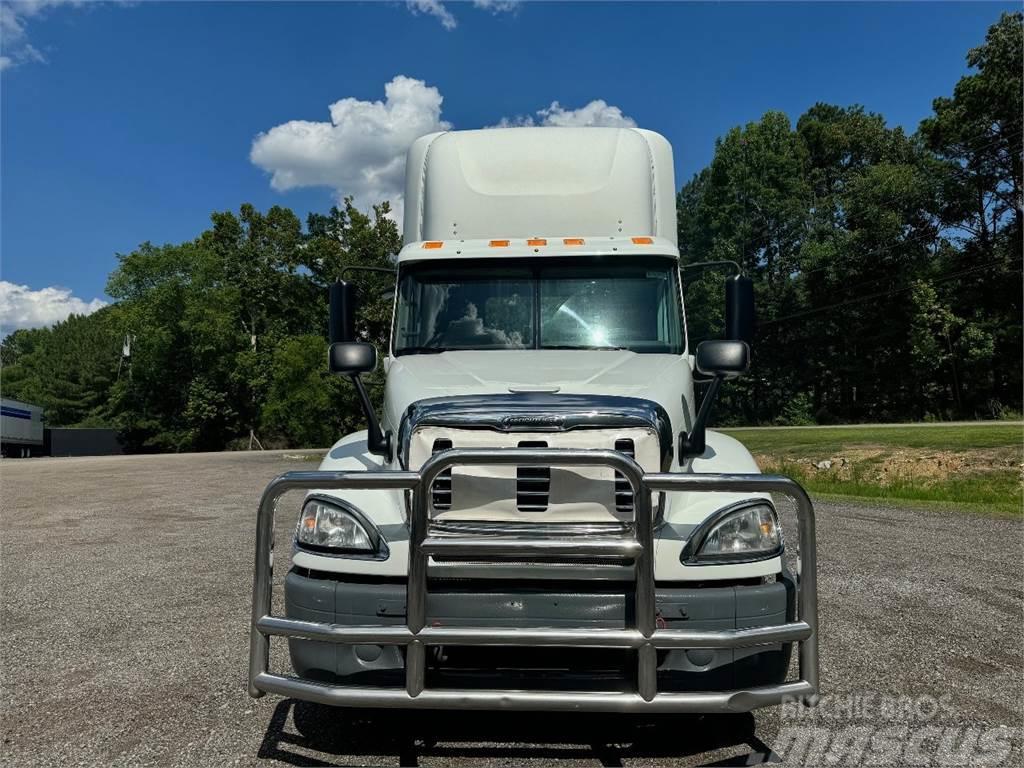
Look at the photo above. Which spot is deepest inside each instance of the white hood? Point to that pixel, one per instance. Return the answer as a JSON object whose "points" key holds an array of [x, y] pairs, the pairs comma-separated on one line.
{"points": [[664, 379]]}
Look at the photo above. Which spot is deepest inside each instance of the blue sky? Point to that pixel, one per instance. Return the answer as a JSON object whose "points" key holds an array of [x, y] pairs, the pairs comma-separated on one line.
{"points": [[130, 122]]}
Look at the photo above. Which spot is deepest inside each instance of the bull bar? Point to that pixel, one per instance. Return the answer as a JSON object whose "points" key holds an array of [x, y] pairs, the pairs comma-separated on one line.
{"points": [[638, 547]]}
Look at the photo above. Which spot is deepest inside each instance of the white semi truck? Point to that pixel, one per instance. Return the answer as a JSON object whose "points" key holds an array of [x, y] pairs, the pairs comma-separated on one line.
{"points": [[539, 518], [21, 428]]}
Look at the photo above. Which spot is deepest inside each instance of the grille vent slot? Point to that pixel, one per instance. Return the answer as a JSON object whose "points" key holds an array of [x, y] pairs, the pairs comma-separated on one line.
{"points": [[533, 484], [441, 490], [623, 490]]}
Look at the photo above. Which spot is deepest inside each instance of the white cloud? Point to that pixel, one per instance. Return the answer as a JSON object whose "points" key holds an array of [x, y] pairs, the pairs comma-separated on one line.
{"points": [[433, 8], [361, 151], [14, 17], [21, 307], [498, 6], [440, 11], [597, 113]]}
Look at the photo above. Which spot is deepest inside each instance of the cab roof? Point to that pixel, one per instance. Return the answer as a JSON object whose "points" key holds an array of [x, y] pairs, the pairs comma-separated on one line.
{"points": [[514, 182]]}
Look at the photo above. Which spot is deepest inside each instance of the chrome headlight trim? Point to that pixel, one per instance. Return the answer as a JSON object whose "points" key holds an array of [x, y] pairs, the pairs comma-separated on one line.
{"points": [[379, 546], [690, 554]]}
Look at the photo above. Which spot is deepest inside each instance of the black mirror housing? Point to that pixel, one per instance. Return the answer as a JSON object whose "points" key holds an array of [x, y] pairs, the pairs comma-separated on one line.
{"points": [[739, 309], [723, 358], [352, 357], [341, 323]]}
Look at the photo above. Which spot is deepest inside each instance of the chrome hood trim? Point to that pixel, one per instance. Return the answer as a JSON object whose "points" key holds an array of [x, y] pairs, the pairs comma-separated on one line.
{"points": [[537, 412]]}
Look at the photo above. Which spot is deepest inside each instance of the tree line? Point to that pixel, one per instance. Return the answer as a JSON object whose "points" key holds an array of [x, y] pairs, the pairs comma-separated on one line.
{"points": [[887, 266], [217, 342], [887, 269]]}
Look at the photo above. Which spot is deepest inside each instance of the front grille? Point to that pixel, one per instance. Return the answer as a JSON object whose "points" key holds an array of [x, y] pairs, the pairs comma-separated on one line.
{"points": [[537, 492], [533, 484], [623, 490], [441, 490]]}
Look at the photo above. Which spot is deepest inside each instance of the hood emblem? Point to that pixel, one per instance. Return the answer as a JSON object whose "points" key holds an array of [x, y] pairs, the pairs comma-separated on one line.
{"points": [[532, 420]]}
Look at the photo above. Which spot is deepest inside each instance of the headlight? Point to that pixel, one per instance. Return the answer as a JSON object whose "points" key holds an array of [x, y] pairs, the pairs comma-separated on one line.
{"points": [[737, 534], [330, 526]]}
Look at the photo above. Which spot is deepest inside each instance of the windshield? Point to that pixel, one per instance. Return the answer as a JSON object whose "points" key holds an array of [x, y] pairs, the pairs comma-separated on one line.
{"points": [[584, 303]]}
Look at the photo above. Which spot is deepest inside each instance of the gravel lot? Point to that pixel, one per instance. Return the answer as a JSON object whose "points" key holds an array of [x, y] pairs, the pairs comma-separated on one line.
{"points": [[124, 631]]}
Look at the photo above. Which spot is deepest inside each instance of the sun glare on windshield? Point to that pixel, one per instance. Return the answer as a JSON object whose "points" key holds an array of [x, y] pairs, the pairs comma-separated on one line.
{"points": [[541, 304]]}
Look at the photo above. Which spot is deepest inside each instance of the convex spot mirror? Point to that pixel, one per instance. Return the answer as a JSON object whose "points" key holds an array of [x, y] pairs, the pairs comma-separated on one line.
{"points": [[723, 357], [352, 357]]}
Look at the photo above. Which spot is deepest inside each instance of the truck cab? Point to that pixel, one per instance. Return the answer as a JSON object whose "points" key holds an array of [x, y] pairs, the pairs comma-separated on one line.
{"points": [[537, 517]]}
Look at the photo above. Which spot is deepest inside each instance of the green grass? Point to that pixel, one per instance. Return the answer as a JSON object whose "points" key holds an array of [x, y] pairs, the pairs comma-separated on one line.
{"points": [[995, 492], [901, 464], [808, 441]]}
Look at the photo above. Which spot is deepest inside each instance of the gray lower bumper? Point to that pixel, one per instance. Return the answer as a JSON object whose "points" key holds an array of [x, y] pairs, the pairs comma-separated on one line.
{"points": [[328, 599]]}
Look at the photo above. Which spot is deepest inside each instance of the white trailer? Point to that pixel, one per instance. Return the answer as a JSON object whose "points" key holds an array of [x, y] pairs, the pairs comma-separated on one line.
{"points": [[21, 428], [539, 518]]}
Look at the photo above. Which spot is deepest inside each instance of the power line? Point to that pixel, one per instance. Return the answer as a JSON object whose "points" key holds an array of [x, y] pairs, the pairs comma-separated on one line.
{"points": [[958, 170], [765, 230], [880, 294], [923, 237], [879, 251], [1009, 137], [902, 243], [869, 254]]}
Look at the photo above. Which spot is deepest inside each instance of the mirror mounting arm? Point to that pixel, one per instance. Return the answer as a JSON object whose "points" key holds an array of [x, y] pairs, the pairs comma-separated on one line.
{"points": [[350, 357], [693, 443], [377, 441]]}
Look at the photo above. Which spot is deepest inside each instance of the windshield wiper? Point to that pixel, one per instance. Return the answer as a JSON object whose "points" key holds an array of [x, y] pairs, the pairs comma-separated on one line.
{"points": [[421, 350], [439, 350], [589, 348]]}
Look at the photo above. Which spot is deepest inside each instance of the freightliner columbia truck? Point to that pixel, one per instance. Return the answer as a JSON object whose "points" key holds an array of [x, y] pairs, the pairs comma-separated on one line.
{"points": [[538, 517]]}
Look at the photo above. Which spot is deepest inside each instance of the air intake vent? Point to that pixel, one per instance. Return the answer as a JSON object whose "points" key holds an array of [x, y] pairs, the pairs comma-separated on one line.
{"points": [[441, 491], [623, 490], [533, 484]]}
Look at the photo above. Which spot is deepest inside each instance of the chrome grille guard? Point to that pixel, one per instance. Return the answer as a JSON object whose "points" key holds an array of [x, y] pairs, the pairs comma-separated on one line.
{"points": [[638, 547]]}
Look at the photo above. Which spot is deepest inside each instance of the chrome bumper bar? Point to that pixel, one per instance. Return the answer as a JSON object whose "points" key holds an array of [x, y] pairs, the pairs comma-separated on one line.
{"points": [[637, 546]]}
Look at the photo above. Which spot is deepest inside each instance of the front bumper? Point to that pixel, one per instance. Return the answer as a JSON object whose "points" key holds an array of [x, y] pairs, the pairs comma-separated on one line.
{"points": [[332, 599], [660, 671]]}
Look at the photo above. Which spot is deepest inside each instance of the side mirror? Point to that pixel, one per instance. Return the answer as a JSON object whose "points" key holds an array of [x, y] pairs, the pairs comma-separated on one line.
{"points": [[341, 323], [352, 357], [723, 357], [739, 309]]}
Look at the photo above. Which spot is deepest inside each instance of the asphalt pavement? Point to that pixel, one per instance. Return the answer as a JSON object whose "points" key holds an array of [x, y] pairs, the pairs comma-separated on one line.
{"points": [[125, 588]]}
